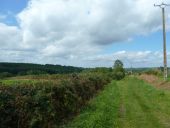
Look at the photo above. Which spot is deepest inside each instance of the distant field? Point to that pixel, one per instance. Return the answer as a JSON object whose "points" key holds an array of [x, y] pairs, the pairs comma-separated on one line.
{"points": [[130, 103], [32, 79], [16, 82]]}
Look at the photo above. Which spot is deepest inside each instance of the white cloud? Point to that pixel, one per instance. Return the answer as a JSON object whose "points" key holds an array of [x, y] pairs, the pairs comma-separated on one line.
{"points": [[10, 37], [65, 31], [91, 22], [135, 59]]}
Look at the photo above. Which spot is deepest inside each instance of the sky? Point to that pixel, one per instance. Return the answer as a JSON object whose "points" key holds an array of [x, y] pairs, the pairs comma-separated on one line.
{"points": [[84, 33]]}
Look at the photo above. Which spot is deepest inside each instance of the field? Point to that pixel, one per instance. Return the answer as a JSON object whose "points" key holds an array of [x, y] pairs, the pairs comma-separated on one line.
{"points": [[95, 98], [130, 103]]}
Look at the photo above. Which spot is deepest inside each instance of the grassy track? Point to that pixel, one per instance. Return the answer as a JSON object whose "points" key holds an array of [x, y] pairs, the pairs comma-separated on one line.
{"points": [[130, 103]]}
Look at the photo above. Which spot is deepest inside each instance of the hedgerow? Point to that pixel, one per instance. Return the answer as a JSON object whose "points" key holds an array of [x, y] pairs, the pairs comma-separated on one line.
{"points": [[48, 104]]}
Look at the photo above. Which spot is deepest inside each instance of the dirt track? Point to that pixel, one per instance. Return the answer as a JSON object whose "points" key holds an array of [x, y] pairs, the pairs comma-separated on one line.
{"points": [[155, 81]]}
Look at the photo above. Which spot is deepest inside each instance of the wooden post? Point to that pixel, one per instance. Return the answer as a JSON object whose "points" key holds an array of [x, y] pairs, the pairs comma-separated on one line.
{"points": [[164, 45]]}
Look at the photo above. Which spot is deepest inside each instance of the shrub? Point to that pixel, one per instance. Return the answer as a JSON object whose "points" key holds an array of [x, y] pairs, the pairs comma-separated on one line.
{"points": [[118, 75], [153, 72], [5, 74]]}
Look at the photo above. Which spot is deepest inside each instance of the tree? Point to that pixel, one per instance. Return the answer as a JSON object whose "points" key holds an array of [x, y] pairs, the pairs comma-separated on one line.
{"points": [[118, 64], [118, 70]]}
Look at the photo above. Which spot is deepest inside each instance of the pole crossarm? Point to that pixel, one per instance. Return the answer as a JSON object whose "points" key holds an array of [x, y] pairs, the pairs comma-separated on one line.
{"points": [[163, 5]]}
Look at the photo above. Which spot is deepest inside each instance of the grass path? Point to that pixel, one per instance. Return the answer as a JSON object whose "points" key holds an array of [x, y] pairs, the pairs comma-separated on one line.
{"points": [[130, 103]]}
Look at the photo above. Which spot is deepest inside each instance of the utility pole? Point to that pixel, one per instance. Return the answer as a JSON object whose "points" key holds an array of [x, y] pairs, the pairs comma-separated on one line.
{"points": [[163, 6]]}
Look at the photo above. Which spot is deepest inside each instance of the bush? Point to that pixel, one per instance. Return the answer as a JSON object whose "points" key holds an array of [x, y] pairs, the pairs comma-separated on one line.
{"points": [[118, 75], [5, 74], [153, 72]]}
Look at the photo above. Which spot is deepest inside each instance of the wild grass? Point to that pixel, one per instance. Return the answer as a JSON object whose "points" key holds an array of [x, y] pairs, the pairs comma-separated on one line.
{"points": [[130, 103]]}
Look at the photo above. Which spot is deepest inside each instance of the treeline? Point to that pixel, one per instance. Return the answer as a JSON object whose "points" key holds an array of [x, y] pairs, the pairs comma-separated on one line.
{"points": [[10, 69]]}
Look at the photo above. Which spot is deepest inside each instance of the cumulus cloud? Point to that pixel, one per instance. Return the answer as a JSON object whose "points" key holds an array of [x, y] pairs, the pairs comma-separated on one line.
{"points": [[69, 23], [129, 58], [10, 37], [64, 31]]}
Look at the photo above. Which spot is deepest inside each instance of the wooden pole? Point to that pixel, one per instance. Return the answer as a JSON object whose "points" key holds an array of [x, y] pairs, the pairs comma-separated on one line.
{"points": [[162, 6], [164, 45]]}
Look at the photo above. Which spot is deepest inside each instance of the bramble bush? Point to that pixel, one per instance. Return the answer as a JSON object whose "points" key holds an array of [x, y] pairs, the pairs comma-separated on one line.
{"points": [[47, 104]]}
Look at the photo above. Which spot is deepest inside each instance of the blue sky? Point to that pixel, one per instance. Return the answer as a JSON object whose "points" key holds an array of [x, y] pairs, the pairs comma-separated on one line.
{"points": [[11, 8], [101, 46], [14, 6], [152, 42]]}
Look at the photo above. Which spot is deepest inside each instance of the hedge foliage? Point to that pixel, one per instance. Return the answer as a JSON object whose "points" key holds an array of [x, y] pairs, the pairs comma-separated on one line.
{"points": [[155, 72], [47, 104]]}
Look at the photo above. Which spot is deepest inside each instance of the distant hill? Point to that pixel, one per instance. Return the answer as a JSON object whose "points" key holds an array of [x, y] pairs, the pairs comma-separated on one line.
{"points": [[28, 68]]}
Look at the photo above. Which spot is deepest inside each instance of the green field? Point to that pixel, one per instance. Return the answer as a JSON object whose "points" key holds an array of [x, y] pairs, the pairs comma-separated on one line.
{"points": [[130, 103]]}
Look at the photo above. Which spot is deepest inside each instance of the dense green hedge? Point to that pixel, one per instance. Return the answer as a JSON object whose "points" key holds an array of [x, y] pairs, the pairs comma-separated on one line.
{"points": [[47, 104], [153, 72]]}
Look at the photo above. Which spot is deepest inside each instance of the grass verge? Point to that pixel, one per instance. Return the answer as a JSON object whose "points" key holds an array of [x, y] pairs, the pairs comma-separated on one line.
{"points": [[130, 103]]}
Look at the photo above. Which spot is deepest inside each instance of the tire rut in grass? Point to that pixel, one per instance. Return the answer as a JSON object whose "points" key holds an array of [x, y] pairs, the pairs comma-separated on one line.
{"points": [[122, 111], [146, 108], [135, 109]]}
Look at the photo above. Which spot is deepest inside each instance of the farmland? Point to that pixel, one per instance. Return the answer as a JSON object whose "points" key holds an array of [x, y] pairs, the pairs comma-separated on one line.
{"points": [[92, 98]]}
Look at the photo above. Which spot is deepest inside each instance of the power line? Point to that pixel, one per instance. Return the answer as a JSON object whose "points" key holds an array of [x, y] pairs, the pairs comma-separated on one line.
{"points": [[163, 6]]}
